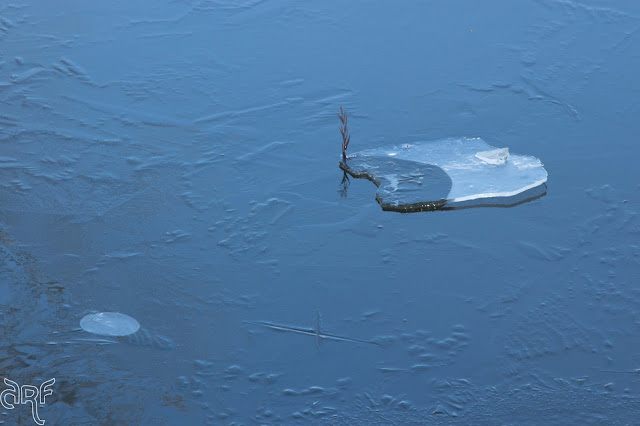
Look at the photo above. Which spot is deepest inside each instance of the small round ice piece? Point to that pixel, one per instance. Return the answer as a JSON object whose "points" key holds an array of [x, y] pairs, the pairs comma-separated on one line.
{"points": [[495, 156], [109, 324]]}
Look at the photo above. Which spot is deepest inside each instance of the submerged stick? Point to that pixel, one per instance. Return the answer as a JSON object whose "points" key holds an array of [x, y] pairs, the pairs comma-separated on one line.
{"points": [[311, 332]]}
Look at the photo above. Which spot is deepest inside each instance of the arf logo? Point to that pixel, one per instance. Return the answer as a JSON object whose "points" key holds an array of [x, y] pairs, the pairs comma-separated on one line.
{"points": [[17, 394]]}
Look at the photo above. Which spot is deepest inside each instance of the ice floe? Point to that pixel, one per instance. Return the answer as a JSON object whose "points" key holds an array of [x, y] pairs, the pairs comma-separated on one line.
{"points": [[448, 173], [109, 324]]}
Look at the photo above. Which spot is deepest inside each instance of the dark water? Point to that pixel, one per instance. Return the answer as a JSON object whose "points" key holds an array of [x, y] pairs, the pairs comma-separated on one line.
{"points": [[177, 161]]}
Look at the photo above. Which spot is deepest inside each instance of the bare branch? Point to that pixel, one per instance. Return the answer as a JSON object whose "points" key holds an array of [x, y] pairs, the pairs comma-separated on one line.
{"points": [[344, 131]]}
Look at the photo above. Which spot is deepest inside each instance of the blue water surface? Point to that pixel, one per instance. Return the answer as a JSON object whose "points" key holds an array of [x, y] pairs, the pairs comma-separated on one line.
{"points": [[177, 161]]}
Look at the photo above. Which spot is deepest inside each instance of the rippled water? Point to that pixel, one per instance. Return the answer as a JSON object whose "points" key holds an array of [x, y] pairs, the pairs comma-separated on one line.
{"points": [[177, 161]]}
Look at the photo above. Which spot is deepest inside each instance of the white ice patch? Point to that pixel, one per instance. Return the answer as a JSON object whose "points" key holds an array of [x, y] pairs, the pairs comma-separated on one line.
{"points": [[471, 165], [109, 324]]}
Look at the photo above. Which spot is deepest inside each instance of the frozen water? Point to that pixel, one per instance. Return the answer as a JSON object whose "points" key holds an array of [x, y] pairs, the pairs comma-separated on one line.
{"points": [[172, 160], [109, 324], [462, 172]]}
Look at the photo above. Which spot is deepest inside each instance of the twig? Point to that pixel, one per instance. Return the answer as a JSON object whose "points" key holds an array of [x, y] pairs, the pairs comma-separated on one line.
{"points": [[346, 138]]}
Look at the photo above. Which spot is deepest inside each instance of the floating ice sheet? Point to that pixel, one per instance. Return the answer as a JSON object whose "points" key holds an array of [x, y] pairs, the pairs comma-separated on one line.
{"points": [[109, 324], [447, 173]]}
